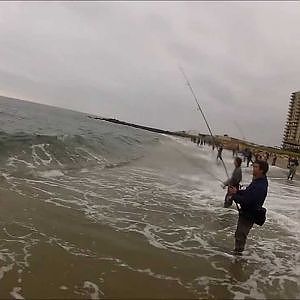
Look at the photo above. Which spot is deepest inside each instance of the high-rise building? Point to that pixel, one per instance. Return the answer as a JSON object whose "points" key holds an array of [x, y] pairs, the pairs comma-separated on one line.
{"points": [[291, 137]]}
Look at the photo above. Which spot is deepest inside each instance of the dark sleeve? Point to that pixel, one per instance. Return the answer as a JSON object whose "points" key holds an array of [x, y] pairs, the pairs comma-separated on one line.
{"points": [[252, 197], [226, 183], [239, 196], [236, 177]]}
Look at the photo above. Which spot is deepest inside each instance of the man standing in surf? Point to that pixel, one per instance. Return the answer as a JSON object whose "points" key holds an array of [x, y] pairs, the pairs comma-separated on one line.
{"points": [[234, 180], [251, 201]]}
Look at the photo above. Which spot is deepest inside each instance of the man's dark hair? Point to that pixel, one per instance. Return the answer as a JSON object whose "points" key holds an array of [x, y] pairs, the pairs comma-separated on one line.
{"points": [[263, 165], [238, 161]]}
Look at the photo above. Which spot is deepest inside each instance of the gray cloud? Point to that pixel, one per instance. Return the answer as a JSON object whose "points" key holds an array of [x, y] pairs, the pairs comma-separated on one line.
{"points": [[121, 59]]}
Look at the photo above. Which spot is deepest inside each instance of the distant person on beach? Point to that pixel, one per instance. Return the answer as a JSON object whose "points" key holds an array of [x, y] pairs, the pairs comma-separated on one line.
{"points": [[294, 163], [220, 150], [289, 162], [213, 146], [251, 201], [249, 157], [245, 151], [237, 149], [198, 141], [267, 156], [234, 151], [234, 180], [274, 159], [257, 156]]}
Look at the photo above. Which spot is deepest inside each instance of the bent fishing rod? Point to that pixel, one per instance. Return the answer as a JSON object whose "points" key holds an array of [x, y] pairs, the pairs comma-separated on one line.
{"points": [[208, 127], [202, 113]]}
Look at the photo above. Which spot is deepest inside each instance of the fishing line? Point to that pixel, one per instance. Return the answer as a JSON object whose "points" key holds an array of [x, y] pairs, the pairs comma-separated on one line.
{"points": [[202, 113]]}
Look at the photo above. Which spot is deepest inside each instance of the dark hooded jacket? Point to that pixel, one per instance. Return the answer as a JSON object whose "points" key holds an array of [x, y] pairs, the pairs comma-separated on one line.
{"points": [[252, 198]]}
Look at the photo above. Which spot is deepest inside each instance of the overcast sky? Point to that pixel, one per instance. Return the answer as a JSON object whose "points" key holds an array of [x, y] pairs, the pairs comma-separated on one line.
{"points": [[120, 59]]}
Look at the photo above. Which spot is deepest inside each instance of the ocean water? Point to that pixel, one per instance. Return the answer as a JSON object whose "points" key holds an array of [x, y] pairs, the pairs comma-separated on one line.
{"points": [[94, 210]]}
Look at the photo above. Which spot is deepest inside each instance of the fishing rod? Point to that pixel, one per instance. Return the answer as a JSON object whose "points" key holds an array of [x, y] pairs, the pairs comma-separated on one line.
{"points": [[202, 113]]}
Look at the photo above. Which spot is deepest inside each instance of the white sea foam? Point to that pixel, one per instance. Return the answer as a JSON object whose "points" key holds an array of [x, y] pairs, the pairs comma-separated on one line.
{"points": [[5, 269], [15, 293], [92, 289], [180, 212], [51, 173], [13, 160], [37, 159]]}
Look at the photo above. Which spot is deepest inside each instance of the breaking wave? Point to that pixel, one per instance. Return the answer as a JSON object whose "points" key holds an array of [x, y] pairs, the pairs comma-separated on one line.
{"points": [[23, 152]]}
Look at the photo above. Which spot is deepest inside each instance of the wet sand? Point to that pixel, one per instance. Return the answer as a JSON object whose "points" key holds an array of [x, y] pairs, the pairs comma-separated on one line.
{"points": [[57, 268]]}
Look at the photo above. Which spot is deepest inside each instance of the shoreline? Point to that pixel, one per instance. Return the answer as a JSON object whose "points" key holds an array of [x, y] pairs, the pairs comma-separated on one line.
{"points": [[228, 143], [281, 161]]}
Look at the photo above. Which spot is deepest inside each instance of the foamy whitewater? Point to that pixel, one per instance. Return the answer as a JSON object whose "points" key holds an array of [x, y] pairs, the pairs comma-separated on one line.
{"points": [[96, 210]]}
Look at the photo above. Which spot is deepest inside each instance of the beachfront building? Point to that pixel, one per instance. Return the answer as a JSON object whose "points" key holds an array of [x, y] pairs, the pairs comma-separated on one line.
{"points": [[291, 137]]}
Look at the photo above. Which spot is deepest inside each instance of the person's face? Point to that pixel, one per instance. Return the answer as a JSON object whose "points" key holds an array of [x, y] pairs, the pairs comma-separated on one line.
{"points": [[257, 172]]}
